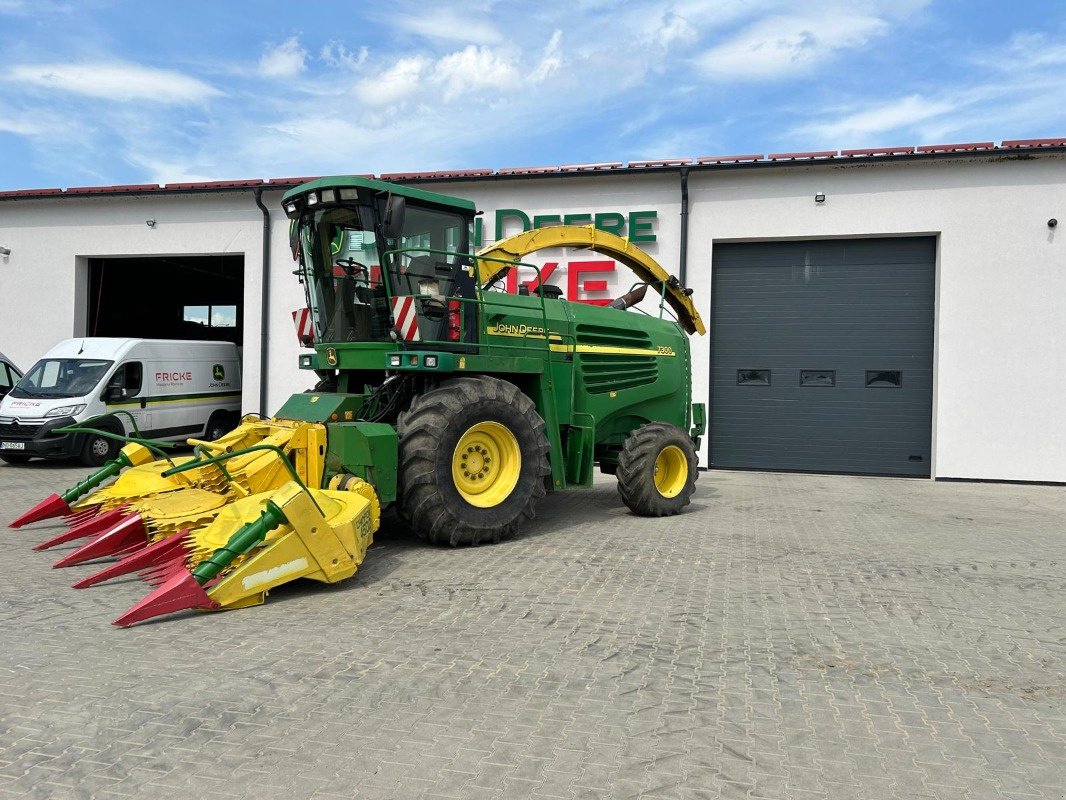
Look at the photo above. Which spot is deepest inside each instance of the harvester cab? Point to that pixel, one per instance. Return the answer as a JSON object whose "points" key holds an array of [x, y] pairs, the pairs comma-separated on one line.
{"points": [[377, 266], [437, 393]]}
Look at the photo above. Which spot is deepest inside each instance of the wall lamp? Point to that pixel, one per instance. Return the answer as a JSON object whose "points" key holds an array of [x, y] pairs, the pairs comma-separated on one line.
{"points": [[5, 251], [819, 197], [150, 223]]}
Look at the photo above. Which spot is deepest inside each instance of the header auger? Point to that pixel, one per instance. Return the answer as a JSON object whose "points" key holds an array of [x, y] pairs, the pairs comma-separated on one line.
{"points": [[437, 393]]}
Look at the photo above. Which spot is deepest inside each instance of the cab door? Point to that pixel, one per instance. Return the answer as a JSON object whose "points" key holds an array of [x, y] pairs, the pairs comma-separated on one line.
{"points": [[125, 393]]}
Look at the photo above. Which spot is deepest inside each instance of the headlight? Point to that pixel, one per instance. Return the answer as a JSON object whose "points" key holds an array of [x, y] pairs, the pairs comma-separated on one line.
{"points": [[66, 411], [394, 360]]}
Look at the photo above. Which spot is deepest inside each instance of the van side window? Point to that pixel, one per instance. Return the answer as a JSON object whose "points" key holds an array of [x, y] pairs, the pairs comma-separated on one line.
{"points": [[5, 379], [127, 377]]}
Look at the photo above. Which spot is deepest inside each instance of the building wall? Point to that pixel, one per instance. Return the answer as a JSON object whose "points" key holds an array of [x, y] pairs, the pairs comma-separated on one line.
{"points": [[1000, 354], [1000, 351], [43, 281]]}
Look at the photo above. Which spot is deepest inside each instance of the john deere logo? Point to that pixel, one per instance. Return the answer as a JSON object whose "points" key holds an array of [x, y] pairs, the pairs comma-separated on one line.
{"points": [[219, 372], [331, 356]]}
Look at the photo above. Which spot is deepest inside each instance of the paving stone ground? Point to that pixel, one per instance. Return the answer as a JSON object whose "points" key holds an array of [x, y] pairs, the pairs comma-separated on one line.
{"points": [[790, 636]]}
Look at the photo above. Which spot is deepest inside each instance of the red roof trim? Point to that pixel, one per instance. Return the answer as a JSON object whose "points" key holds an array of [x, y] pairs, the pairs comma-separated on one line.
{"points": [[527, 170], [966, 147], [131, 187], [802, 156], [607, 166], [1012, 144], [665, 162], [601, 167], [729, 159], [30, 192], [879, 151]]}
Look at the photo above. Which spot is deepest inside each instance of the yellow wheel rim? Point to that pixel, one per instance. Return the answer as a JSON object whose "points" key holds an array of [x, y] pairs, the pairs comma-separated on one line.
{"points": [[486, 464], [671, 471]]}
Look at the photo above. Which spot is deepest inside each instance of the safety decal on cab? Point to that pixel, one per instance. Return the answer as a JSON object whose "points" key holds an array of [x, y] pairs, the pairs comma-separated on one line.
{"points": [[405, 318]]}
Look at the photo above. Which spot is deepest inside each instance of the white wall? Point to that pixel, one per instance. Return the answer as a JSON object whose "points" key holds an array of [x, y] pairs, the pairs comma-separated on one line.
{"points": [[1000, 359], [42, 282]]}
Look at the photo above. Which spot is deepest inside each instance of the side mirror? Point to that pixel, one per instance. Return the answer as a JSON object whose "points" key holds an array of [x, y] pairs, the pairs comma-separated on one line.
{"points": [[113, 393], [395, 210], [294, 239]]}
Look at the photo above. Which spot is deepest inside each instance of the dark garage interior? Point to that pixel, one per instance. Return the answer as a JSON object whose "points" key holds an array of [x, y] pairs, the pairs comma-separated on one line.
{"points": [[167, 297]]}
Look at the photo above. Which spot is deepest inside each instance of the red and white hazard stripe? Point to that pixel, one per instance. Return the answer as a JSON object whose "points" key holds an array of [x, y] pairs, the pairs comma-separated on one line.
{"points": [[405, 318], [305, 331]]}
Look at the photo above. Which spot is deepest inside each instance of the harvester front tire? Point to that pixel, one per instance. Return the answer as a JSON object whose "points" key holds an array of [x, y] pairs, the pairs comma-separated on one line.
{"points": [[657, 470], [473, 461]]}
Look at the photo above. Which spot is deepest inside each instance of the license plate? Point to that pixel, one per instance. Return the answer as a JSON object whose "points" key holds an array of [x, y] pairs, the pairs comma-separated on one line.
{"points": [[12, 445]]}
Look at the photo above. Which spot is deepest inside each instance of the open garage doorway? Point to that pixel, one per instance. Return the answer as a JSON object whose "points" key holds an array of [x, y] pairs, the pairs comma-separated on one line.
{"points": [[167, 297]]}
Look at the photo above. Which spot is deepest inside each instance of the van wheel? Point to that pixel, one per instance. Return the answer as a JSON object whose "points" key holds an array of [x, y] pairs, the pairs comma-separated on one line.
{"points": [[98, 450], [217, 427], [14, 459]]}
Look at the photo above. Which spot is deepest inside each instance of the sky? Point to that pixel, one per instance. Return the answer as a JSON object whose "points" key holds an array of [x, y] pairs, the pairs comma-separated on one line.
{"points": [[100, 92]]}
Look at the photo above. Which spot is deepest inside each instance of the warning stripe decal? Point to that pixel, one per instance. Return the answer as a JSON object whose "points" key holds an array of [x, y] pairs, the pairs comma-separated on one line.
{"points": [[405, 318]]}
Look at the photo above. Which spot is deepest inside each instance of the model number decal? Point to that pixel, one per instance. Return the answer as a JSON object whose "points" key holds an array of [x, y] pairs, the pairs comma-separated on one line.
{"points": [[665, 351]]}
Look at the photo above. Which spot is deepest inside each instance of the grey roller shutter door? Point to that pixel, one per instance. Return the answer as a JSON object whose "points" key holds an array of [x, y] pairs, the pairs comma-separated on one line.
{"points": [[809, 340]]}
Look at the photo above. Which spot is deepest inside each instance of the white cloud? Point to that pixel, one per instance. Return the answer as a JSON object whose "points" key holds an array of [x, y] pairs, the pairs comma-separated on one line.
{"points": [[113, 80], [861, 127], [286, 60], [447, 24], [788, 45], [675, 29], [550, 60], [396, 83], [337, 55], [471, 69]]}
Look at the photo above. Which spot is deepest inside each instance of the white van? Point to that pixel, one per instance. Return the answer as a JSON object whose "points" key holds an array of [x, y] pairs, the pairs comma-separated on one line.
{"points": [[172, 389]]}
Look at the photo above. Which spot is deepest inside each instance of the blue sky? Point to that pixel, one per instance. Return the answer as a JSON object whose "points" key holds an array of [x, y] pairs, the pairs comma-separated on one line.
{"points": [[101, 92]]}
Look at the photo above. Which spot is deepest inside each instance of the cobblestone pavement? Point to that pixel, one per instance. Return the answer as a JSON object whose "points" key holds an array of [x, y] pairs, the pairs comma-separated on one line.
{"points": [[790, 636]]}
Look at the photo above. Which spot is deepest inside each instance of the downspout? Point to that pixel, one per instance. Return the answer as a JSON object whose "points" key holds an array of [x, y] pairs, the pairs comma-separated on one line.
{"points": [[682, 262], [264, 304]]}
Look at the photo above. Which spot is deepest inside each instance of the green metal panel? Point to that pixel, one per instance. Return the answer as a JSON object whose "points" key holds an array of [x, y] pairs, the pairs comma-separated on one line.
{"points": [[322, 407], [368, 450], [350, 181]]}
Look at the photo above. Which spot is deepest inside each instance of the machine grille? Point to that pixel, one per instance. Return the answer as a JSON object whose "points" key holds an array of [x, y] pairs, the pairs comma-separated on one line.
{"points": [[603, 372], [612, 337]]}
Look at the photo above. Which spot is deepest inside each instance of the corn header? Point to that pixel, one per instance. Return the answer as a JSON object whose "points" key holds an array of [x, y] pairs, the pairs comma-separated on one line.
{"points": [[437, 393]]}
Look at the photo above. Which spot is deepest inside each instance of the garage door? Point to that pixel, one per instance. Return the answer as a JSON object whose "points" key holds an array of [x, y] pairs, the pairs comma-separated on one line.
{"points": [[822, 355]]}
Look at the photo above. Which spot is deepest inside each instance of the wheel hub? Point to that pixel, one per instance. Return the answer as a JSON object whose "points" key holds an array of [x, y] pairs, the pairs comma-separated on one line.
{"points": [[486, 464], [671, 471]]}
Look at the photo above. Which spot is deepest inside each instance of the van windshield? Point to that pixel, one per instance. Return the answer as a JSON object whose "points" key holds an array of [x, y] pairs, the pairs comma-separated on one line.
{"points": [[61, 377]]}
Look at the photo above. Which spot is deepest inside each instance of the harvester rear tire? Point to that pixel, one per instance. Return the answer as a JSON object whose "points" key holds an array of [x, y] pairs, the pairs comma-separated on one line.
{"points": [[657, 470], [488, 415]]}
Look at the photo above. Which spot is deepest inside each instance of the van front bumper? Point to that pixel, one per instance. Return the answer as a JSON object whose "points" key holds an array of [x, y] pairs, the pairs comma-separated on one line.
{"points": [[39, 440]]}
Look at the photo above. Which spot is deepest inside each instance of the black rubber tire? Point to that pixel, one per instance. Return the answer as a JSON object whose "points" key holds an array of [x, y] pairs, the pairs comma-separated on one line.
{"points": [[429, 432], [14, 460], [98, 450], [217, 426], [636, 470]]}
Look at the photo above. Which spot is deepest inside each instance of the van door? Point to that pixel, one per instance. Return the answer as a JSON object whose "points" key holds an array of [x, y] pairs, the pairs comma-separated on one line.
{"points": [[125, 392]]}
